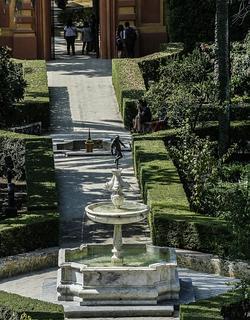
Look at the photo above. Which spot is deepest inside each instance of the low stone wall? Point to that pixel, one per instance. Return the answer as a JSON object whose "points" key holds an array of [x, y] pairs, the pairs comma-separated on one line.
{"points": [[28, 262], [209, 263], [197, 261]]}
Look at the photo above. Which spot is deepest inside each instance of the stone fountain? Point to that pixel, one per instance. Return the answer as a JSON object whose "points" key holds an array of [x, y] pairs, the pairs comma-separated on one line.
{"points": [[117, 274]]}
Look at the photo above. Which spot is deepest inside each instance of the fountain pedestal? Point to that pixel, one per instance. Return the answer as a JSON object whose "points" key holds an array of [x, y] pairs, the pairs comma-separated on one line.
{"points": [[117, 257], [106, 213]]}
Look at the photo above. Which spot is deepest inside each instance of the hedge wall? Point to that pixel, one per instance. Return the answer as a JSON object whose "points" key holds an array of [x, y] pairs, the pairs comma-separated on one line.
{"points": [[35, 106], [36, 309], [29, 232], [40, 174], [150, 64], [171, 221], [239, 132], [38, 228], [210, 309], [128, 84], [130, 75]]}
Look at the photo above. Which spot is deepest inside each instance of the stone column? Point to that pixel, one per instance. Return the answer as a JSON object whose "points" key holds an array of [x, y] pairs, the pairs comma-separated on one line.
{"points": [[117, 257], [43, 28]]}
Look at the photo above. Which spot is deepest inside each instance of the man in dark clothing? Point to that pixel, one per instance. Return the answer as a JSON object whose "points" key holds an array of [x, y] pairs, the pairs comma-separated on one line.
{"points": [[130, 39], [146, 115]]}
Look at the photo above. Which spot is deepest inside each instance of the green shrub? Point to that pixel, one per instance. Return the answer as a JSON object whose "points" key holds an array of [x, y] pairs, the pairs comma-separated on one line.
{"points": [[12, 85], [15, 148], [38, 229], [35, 106], [28, 232], [171, 221], [38, 310], [150, 65], [238, 112], [240, 65], [129, 77], [184, 85], [239, 132], [40, 174]]}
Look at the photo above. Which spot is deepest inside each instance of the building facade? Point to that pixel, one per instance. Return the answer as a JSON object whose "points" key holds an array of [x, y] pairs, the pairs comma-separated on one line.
{"points": [[146, 15], [25, 26]]}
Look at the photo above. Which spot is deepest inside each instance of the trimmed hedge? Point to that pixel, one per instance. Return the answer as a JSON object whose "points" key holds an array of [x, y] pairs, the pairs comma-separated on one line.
{"points": [[150, 65], [130, 75], [238, 130], [39, 170], [28, 232], [35, 106], [37, 229], [238, 112], [40, 174], [171, 221], [209, 309], [128, 84], [36, 309]]}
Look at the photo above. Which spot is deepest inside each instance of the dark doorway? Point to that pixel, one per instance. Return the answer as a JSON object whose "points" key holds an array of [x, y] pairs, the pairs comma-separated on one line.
{"points": [[58, 15]]}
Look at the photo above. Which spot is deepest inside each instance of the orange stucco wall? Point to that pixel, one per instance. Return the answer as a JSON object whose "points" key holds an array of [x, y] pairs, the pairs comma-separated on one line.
{"points": [[27, 31], [145, 15]]}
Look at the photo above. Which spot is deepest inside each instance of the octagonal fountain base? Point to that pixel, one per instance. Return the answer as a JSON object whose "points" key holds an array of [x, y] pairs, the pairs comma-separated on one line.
{"points": [[148, 275]]}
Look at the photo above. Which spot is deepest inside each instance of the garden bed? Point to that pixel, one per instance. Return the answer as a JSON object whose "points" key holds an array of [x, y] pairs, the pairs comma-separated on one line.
{"points": [[16, 305], [131, 86], [39, 226], [171, 221]]}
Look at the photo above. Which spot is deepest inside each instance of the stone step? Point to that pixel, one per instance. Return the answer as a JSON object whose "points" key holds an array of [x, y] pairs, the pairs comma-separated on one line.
{"points": [[78, 312]]}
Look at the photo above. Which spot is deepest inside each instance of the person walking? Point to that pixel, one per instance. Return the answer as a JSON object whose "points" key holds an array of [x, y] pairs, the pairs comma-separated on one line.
{"points": [[129, 37], [86, 38], [119, 41], [70, 34]]}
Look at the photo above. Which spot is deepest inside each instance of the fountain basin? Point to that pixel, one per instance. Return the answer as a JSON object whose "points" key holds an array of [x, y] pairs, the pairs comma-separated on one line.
{"points": [[79, 280], [105, 212]]}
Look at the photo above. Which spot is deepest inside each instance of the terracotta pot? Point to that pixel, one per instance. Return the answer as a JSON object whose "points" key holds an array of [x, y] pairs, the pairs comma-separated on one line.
{"points": [[89, 146]]}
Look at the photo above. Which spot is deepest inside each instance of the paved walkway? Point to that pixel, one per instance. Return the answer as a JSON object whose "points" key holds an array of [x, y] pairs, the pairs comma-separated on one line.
{"points": [[83, 98]]}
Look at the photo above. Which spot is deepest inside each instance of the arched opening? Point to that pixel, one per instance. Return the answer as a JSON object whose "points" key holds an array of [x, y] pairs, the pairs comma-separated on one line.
{"points": [[80, 12]]}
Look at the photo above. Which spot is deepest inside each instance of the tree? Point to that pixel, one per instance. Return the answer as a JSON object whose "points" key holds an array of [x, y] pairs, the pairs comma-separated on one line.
{"points": [[222, 72], [12, 84]]}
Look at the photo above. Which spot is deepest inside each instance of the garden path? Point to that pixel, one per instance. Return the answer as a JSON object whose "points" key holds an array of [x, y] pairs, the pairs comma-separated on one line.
{"points": [[82, 98]]}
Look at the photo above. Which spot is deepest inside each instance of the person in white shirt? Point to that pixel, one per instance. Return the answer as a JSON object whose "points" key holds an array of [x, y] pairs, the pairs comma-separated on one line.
{"points": [[70, 34], [86, 37]]}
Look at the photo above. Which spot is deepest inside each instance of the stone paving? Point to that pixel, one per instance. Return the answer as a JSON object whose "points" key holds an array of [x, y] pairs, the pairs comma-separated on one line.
{"points": [[83, 97]]}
